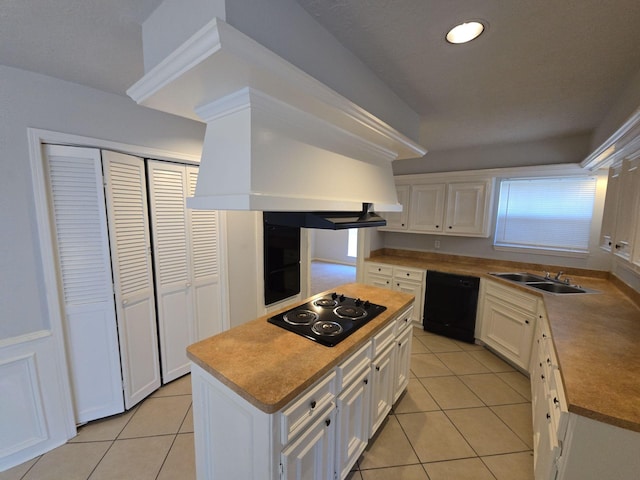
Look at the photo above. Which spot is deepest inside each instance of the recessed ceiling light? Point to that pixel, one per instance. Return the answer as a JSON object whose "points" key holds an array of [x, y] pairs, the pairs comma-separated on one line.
{"points": [[465, 32]]}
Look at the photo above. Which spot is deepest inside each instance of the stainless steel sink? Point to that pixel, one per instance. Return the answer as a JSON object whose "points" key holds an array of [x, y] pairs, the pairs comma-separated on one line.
{"points": [[541, 283], [520, 277], [557, 287]]}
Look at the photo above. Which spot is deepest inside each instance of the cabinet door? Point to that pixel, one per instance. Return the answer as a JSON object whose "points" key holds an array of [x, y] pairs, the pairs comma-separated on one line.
{"points": [[398, 220], [311, 456], [129, 237], [466, 208], [607, 232], [382, 370], [427, 207], [508, 330], [403, 362], [412, 288], [204, 251], [352, 420], [627, 208], [84, 265], [167, 194]]}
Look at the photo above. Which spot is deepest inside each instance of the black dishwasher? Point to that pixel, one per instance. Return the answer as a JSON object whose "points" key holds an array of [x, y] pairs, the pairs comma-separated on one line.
{"points": [[450, 305]]}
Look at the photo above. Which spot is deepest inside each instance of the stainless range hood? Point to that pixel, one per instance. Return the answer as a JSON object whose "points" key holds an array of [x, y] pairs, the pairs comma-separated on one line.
{"points": [[327, 220], [277, 139]]}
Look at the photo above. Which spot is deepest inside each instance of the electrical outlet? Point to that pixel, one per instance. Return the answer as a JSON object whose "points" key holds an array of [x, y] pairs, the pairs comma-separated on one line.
{"points": [[437, 244]]}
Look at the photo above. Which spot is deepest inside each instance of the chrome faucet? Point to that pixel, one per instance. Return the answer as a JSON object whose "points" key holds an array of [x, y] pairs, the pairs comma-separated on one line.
{"points": [[557, 277]]}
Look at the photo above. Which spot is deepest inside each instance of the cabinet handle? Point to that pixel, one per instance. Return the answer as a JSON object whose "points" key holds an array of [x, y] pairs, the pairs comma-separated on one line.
{"points": [[555, 400], [327, 422], [403, 224], [527, 322], [377, 368], [542, 376], [548, 361], [437, 226], [408, 274], [548, 416], [313, 404], [450, 227], [366, 381], [379, 269], [406, 320]]}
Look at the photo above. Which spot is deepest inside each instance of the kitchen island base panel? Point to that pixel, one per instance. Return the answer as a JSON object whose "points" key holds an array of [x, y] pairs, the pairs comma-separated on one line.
{"points": [[235, 444]]}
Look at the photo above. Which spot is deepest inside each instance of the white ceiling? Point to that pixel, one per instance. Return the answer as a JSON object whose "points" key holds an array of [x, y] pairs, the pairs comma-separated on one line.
{"points": [[543, 67]]}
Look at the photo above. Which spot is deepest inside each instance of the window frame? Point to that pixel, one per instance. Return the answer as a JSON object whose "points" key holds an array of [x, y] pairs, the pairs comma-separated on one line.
{"points": [[502, 245]]}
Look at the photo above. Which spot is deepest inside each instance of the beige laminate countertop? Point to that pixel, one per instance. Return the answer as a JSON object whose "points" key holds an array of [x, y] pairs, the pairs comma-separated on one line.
{"points": [[596, 336], [270, 366]]}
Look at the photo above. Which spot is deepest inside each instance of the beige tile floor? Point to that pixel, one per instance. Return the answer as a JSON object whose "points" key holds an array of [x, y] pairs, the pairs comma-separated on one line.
{"points": [[466, 415]]}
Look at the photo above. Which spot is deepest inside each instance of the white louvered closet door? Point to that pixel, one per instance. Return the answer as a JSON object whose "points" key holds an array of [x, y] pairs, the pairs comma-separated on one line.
{"points": [[204, 229], [133, 274], [167, 196], [84, 268]]}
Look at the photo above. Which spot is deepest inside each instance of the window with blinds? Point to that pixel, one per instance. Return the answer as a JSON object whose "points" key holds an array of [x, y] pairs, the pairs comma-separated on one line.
{"points": [[546, 214]]}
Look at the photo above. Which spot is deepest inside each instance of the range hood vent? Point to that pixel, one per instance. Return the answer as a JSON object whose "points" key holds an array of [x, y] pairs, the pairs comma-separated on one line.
{"points": [[326, 220], [276, 138]]}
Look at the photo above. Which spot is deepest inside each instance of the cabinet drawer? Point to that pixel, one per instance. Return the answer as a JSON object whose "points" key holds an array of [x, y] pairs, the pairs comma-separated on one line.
{"points": [[377, 280], [524, 301], [382, 339], [404, 320], [348, 370], [403, 273], [296, 416], [379, 269]]}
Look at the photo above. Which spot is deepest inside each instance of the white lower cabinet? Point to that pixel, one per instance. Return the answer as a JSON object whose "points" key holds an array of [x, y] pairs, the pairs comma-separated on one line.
{"points": [[319, 435], [508, 321], [310, 456], [403, 362], [568, 446], [402, 279], [382, 370], [352, 435]]}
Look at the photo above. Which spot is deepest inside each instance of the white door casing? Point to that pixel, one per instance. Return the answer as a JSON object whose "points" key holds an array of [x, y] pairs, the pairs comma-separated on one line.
{"points": [[76, 195], [132, 273]]}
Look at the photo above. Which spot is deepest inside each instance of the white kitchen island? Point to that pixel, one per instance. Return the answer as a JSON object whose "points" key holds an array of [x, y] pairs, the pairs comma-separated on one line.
{"points": [[270, 404]]}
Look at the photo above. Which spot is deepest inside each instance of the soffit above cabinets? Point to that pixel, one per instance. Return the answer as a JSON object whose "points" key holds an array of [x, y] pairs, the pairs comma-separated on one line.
{"points": [[270, 125]]}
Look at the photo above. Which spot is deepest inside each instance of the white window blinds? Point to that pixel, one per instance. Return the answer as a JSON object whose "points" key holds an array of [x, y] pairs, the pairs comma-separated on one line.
{"points": [[550, 214]]}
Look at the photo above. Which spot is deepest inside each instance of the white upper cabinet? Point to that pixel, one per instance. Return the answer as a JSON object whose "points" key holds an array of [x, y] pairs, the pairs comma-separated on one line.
{"points": [[428, 212], [620, 232], [456, 206], [467, 209]]}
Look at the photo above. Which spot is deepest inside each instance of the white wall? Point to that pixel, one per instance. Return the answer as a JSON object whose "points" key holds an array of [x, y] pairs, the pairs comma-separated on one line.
{"points": [[39, 414], [566, 149], [33, 100], [331, 246]]}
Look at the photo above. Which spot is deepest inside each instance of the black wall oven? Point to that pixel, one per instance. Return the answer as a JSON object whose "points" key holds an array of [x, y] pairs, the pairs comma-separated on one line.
{"points": [[281, 262]]}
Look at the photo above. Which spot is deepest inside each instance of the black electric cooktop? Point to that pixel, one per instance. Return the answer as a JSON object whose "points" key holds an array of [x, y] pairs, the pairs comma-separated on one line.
{"points": [[328, 320]]}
